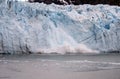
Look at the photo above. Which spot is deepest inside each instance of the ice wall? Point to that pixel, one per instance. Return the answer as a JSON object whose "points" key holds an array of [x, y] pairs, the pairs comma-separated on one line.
{"points": [[40, 28]]}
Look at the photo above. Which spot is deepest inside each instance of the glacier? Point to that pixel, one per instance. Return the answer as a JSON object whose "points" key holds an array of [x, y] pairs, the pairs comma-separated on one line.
{"points": [[39, 28]]}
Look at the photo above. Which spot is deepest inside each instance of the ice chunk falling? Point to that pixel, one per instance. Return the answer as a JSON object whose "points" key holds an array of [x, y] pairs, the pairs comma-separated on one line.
{"points": [[40, 28]]}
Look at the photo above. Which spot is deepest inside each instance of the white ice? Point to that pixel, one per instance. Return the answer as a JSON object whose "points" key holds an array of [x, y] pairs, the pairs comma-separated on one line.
{"points": [[40, 28]]}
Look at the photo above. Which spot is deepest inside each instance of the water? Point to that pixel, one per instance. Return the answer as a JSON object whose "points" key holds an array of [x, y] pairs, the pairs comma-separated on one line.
{"points": [[60, 66]]}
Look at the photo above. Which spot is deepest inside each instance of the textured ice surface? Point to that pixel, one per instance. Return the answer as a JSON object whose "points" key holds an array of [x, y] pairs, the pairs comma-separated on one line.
{"points": [[40, 28]]}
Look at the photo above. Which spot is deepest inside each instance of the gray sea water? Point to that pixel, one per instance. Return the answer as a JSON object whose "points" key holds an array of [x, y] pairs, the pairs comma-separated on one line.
{"points": [[56, 66]]}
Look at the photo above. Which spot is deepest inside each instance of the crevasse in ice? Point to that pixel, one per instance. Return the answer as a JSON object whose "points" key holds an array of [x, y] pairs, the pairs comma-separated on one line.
{"points": [[40, 28]]}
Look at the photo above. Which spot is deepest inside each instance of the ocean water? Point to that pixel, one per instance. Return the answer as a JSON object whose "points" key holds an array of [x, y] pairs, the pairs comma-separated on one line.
{"points": [[59, 66]]}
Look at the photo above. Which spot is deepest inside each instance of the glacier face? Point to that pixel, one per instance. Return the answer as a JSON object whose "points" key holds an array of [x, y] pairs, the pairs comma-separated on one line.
{"points": [[40, 28]]}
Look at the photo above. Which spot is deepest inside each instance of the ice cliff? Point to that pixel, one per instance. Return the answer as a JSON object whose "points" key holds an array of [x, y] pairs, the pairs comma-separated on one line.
{"points": [[40, 28]]}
